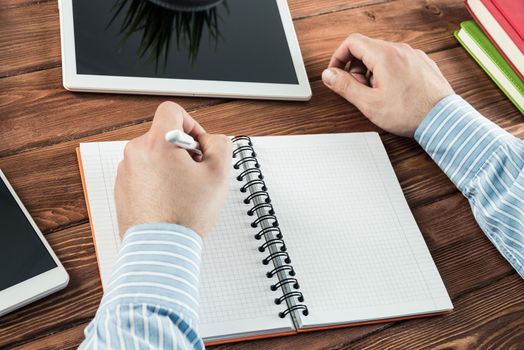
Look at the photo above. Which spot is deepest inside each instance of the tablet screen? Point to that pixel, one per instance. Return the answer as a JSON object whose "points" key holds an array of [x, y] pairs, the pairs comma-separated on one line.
{"points": [[22, 253], [221, 40]]}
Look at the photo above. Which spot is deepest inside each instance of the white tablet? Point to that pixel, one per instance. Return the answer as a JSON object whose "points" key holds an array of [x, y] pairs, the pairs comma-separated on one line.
{"points": [[29, 269], [216, 48]]}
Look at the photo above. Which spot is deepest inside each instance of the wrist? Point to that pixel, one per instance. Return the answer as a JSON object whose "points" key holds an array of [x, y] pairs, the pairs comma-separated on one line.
{"points": [[151, 257], [435, 112]]}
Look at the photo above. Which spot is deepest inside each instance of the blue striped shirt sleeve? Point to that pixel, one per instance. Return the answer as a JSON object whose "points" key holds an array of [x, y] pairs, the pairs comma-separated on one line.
{"points": [[151, 301], [486, 163]]}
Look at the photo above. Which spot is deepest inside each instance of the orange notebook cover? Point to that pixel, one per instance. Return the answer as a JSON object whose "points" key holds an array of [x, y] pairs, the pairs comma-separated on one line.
{"points": [[410, 289]]}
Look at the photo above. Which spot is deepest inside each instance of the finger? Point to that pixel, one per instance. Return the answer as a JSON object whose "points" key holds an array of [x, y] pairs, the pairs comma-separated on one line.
{"points": [[359, 71], [371, 79], [150, 145], [347, 86], [197, 157], [362, 78], [217, 150], [170, 116], [356, 66], [355, 46]]}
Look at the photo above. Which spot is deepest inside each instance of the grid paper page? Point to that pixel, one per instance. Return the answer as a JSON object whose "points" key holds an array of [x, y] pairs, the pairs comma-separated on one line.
{"points": [[234, 292], [354, 244]]}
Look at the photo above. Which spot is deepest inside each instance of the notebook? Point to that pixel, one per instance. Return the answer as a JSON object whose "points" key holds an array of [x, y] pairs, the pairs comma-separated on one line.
{"points": [[478, 45], [316, 233], [502, 21]]}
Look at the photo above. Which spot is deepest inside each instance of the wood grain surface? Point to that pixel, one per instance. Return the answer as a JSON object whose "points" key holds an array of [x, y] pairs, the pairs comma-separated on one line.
{"points": [[41, 124]]}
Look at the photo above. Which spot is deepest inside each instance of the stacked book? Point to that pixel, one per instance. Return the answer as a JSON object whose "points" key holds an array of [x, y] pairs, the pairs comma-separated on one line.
{"points": [[496, 41]]}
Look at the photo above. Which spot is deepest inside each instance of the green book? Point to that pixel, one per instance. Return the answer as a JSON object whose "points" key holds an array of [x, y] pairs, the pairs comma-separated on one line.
{"points": [[487, 56]]}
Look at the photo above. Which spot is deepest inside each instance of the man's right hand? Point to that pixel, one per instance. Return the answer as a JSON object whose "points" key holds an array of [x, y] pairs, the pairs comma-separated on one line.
{"points": [[158, 182], [392, 84]]}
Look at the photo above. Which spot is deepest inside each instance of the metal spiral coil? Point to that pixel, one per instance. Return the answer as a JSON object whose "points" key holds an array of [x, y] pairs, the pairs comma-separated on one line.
{"points": [[302, 307], [262, 233], [257, 195], [246, 160], [274, 255], [289, 280], [252, 183], [271, 242], [259, 206], [265, 217], [280, 268], [243, 149], [250, 171], [296, 294]]}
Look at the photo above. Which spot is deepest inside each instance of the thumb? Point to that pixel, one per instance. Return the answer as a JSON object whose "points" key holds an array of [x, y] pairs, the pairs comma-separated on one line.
{"points": [[347, 86], [217, 150]]}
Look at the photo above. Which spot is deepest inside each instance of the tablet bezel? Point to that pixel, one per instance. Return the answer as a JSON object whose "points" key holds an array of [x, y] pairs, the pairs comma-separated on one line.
{"points": [[181, 87], [38, 286]]}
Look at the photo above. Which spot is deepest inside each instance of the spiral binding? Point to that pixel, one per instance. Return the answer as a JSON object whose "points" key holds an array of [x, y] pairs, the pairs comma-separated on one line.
{"points": [[275, 255], [250, 171], [296, 294], [262, 233], [252, 183], [281, 268], [266, 219], [256, 194], [243, 149], [258, 206], [273, 241]]}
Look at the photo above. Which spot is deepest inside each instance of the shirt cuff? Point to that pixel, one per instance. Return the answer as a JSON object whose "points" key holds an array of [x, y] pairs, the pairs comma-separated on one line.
{"points": [[459, 139], [158, 265]]}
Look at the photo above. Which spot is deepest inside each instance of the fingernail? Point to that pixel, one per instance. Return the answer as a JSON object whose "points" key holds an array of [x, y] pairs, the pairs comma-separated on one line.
{"points": [[329, 76]]}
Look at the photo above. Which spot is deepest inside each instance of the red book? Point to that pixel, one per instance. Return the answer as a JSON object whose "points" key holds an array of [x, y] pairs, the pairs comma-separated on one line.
{"points": [[513, 12], [503, 23]]}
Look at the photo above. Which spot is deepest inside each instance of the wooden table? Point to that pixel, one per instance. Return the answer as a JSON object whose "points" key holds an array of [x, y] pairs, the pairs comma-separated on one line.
{"points": [[41, 124]]}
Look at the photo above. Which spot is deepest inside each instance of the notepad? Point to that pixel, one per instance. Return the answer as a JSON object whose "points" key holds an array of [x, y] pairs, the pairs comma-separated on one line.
{"points": [[340, 245]]}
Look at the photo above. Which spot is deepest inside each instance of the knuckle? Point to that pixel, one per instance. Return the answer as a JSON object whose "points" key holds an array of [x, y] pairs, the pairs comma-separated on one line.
{"points": [[223, 138], [137, 148], [343, 84], [390, 50], [168, 109], [148, 142], [346, 90], [353, 37], [225, 143], [400, 51], [169, 105], [423, 55]]}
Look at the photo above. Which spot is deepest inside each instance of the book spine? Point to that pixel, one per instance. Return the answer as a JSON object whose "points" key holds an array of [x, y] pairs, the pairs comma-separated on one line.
{"points": [[268, 232]]}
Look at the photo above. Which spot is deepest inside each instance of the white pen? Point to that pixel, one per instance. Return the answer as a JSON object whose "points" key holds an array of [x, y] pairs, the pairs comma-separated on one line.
{"points": [[183, 140]]}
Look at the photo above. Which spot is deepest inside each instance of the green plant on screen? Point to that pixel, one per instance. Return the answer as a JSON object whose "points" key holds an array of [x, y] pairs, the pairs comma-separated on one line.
{"points": [[159, 20]]}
